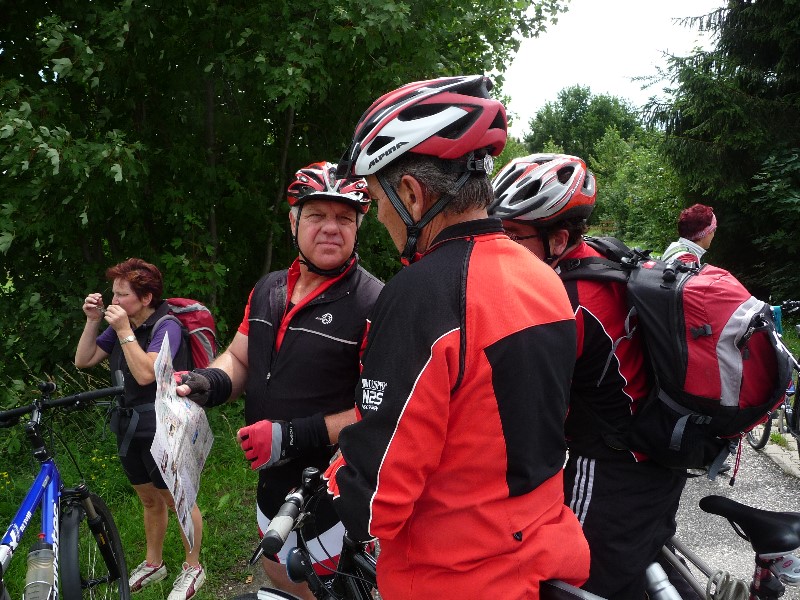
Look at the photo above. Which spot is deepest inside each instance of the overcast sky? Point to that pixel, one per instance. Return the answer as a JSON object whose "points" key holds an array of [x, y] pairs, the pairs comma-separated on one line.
{"points": [[601, 44]]}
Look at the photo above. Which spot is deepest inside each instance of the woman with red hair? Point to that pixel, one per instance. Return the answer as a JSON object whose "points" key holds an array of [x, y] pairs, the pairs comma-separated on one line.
{"points": [[696, 227], [132, 342]]}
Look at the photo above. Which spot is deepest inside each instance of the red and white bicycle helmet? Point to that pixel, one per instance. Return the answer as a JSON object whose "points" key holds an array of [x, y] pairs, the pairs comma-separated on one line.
{"points": [[447, 118], [318, 181], [544, 188]]}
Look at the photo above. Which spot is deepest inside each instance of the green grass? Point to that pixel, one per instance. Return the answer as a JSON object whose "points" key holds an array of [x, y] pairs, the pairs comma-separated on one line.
{"points": [[777, 438], [226, 499]]}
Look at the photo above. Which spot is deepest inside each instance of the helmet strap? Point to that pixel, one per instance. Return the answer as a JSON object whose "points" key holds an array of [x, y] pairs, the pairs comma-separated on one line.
{"points": [[548, 256], [413, 230]]}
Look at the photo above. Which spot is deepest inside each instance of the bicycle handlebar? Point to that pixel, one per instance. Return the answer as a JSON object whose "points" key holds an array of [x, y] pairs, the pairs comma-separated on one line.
{"points": [[12, 415], [289, 515], [790, 306]]}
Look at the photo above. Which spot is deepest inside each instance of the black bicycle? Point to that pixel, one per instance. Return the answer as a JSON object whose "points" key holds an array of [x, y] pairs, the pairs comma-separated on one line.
{"points": [[78, 552], [787, 415], [354, 577], [773, 536]]}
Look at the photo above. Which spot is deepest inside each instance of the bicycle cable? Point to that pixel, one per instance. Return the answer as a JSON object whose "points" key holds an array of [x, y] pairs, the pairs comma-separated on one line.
{"points": [[73, 460], [727, 587]]}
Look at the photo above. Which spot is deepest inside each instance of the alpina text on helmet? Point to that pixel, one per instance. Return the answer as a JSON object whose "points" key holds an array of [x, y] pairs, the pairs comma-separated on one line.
{"points": [[385, 153]]}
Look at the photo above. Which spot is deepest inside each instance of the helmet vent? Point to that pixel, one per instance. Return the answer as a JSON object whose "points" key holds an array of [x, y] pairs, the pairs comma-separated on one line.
{"points": [[459, 127], [421, 111], [378, 143], [565, 173], [529, 190]]}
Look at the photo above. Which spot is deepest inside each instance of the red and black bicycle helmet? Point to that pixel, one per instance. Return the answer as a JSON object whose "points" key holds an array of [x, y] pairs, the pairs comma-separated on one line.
{"points": [[318, 181], [452, 119], [544, 189], [447, 118]]}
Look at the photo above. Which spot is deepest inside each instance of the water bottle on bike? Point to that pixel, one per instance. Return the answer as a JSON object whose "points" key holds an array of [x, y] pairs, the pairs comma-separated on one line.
{"points": [[40, 579]]}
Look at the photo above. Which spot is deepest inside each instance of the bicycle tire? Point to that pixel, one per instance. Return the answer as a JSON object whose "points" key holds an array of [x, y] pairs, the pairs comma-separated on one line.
{"points": [[83, 572], [794, 421], [758, 436]]}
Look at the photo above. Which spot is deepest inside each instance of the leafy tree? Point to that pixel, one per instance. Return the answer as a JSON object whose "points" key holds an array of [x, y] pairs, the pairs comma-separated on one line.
{"points": [[577, 120], [636, 189], [514, 149], [731, 120], [168, 130]]}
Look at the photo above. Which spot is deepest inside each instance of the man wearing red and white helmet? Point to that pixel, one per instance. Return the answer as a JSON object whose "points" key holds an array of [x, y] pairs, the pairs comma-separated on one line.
{"points": [[296, 356], [456, 462], [625, 503]]}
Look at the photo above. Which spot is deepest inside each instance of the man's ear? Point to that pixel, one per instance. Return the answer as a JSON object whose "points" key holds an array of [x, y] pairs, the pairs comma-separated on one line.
{"points": [[559, 238], [414, 197]]}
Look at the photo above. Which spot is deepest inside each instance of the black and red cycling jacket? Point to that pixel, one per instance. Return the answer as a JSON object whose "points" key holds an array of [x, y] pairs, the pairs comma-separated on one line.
{"points": [[456, 463], [304, 359], [610, 376]]}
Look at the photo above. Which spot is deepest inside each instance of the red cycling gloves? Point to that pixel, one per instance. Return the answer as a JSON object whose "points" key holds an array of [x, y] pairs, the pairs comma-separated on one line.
{"points": [[268, 443]]}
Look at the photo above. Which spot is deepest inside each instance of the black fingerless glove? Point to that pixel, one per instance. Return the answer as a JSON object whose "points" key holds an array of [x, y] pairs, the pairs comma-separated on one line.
{"points": [[304, 434], [209, 387]]}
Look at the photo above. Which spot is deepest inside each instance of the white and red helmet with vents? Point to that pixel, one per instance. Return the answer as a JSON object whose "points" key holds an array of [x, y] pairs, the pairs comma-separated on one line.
{"points": [[446, 118], [544, 188], [318, 181]]}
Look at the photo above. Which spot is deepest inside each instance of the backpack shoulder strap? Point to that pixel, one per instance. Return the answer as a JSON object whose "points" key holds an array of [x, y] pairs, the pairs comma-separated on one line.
{"points": [[168, 317], [595, 268], [616, 262]]}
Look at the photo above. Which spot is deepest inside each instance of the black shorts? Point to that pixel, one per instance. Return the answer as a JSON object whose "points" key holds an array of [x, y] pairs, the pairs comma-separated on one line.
{"points": [[627, 511], [139, 465]]}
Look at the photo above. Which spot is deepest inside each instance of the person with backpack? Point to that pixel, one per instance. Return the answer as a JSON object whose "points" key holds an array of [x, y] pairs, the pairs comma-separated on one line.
{"points": [[696, 227], [455, 463], [296, 356], [136, 329], [625, 502]]}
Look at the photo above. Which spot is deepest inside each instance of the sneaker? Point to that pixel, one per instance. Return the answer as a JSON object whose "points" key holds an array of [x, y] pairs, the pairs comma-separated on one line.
{"points": [[188, 582], [145, 574]]}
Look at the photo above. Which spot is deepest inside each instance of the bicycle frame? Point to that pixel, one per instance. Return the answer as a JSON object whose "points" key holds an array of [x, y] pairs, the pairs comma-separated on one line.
{"points": [[48, 494], [44, 493]]}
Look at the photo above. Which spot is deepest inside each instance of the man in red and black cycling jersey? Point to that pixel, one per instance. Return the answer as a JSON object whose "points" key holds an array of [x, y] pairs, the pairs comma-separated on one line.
{"points": [[456, 462], [625, 503], [296, 356]]}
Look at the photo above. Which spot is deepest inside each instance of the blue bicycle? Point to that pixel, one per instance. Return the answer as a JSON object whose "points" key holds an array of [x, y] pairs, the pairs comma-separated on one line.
{"points": [[78, 552]]}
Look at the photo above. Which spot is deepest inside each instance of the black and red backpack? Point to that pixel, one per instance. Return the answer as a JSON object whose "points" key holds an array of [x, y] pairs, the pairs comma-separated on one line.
{"points": [[717, 365], [198, 328]]}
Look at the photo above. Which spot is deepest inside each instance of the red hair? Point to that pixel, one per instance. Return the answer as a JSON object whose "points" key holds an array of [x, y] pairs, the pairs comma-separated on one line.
{"points": [[696, 222], [143, 277]]}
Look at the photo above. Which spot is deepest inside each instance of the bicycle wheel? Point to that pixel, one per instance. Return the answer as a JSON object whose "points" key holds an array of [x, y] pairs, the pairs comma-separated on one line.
{"points": [[793, 422], [83, 570], [758, 436]]}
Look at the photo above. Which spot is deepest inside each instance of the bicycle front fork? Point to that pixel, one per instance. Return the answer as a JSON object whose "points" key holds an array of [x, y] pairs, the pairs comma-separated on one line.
{"points": [[97, 527]]}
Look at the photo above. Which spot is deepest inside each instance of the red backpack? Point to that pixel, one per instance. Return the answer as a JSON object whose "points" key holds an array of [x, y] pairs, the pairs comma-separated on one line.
{"points": [[198, 326], [717, 364]]}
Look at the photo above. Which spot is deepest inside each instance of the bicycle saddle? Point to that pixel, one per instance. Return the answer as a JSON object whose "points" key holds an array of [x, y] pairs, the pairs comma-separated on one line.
{"points": [[770, 533]]}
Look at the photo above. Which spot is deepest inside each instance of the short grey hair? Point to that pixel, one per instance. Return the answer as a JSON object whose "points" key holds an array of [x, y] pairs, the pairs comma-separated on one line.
{"points": [[435, 179]]}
